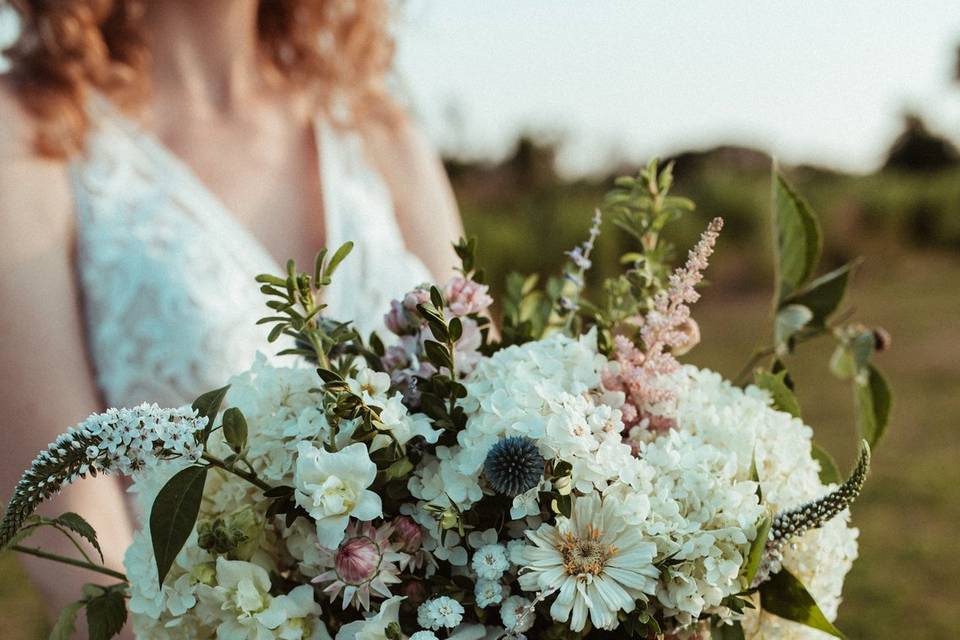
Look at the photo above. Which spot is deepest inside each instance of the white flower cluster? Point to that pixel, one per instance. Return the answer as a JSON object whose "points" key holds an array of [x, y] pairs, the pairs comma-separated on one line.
{"points": [[665, 523]]}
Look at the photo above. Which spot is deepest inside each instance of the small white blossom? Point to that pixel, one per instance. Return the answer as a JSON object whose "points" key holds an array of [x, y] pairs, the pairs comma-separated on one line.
{"points": [[490, 562], [440, 613], [488, 592]]}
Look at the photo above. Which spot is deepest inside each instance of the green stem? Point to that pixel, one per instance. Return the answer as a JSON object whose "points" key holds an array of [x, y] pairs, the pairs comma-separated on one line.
{"points": [[240, 473], [40, 553]]}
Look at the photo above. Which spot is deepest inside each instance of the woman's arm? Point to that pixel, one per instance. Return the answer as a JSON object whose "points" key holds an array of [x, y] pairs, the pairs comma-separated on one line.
{"points": [[46, 381], [426, 209]]}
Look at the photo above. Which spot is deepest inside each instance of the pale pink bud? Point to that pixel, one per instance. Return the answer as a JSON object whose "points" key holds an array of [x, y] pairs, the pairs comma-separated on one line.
{"points": [[465, 297], [408, 533], [357, 560]]}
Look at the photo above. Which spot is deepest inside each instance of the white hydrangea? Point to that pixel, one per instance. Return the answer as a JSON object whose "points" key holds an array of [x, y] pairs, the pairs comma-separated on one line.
{"points": [[717, 421]]}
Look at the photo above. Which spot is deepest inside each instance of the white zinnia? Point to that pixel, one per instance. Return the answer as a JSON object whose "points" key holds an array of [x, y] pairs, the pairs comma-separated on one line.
{"points": [[332, 487], [597, 563]]}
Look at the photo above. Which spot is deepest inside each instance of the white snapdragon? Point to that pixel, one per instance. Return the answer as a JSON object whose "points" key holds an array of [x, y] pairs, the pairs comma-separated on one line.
{"points": [[332, 487]]}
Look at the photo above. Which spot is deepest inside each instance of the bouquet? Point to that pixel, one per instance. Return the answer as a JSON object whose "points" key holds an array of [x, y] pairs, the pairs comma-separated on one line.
{"points": [[562, 476]]}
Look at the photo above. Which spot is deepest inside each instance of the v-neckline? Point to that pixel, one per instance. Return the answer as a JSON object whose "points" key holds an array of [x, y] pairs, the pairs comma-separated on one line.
{"points": [[182, 169]]}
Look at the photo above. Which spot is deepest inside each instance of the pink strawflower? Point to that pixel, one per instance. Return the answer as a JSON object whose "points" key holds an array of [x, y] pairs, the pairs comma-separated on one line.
{"points": [[364, 563], [465, 297], [407, 534]]}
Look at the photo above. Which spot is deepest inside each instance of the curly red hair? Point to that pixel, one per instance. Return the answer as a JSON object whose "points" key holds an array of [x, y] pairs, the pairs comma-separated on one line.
{"points": [[68, 47]]}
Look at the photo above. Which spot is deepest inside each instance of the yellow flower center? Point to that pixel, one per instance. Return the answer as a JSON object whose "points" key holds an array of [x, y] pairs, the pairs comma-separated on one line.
{"points": [[586, 555]]}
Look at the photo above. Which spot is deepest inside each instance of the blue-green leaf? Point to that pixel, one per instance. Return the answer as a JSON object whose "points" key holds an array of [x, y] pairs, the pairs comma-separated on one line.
{"points": [[785, 596], [873, 401], [174, 514], [789, 321], [798, 239], [824, 295], [783, 398]]}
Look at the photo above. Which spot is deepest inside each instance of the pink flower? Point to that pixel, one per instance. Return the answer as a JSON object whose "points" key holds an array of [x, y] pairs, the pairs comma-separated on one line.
{"points": [[403, 317], [465, 296], [357, 560], [407, 534]]}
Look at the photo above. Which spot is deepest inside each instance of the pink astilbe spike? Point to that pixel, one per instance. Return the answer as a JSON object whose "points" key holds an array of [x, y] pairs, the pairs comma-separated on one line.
{"points": [[666, 327]]}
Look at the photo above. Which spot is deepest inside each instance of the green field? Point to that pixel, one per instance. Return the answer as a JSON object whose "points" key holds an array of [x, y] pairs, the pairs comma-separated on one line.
{"points": [[904, 585]]}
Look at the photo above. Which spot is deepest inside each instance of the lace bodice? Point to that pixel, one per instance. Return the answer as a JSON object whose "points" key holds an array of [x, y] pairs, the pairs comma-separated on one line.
{"points": [[167, 273]]}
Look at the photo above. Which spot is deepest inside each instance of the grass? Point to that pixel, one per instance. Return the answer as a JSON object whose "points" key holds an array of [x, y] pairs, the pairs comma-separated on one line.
{"points": [[905, 584]]}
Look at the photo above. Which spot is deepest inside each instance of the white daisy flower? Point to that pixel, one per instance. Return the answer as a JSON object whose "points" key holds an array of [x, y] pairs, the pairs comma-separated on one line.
{"points": [[594, 560], [438, 613]]}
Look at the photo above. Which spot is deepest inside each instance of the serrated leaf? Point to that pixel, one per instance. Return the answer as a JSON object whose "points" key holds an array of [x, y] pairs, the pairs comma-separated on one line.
{"points": [[824, 295], [755, 556], [783, 398], [873, 401], [789, 321], [235, 429], [81, 527], [337, 258], [174, 514], [798, 239], [66, 622], [106, 615], [829, 472], [785, 596], [208, 405]]}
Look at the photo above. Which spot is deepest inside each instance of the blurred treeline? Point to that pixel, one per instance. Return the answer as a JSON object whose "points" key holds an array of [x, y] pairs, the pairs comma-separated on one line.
{"points": [[526, 216]]}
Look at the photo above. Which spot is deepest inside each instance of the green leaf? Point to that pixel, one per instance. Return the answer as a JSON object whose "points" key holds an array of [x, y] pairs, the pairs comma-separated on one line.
{"points": [[785, 596], [456, 329], [824, 295], [66, 621], [208, 405], [798, 239], [789, 321], [438, 354], [756, 549], [338, 257], [399, 469], [783, 398], [235, 429], [106, 615], [727, 632], [829, 472], [81, 527], [174, 515], [873, 401]]}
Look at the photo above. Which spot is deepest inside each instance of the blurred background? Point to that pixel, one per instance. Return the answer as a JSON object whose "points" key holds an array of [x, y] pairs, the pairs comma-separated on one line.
{"points": [[537, 105]]}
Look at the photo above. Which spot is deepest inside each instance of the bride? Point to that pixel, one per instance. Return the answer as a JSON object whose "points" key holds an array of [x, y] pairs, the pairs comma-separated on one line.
{"points": [[154, 157]]}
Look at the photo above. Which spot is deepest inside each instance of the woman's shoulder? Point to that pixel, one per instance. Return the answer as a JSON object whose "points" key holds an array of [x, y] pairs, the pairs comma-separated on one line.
{"points": [[35, 204]]}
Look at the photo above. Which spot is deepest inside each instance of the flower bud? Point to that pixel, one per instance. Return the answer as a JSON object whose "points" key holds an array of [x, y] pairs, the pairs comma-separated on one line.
{"points": [[357, 560], [408, 533], [415, 591], [690, 331]]}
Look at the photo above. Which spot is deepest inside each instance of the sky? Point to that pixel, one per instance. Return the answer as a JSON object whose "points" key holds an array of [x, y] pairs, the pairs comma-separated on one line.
{"points": [[819, 81], [815, 81]]}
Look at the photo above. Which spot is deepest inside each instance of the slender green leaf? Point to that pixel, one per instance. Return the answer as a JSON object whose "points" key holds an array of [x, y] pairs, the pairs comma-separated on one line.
{"points": [[106, 615], [873, 402], [235, 429], [824, 295], [783, 398], [174, 514], [81, 527], [338, 257], [756, 549], [829, 472], [785, 596], [66, 622], [798, 239]]}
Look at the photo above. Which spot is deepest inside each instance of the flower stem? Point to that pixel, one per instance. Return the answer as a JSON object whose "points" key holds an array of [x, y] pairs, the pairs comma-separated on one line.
{"points": [[40, 553], [240, 473]]}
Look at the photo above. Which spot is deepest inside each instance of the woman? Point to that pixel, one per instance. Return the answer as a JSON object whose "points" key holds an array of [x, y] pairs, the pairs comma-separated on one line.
{"points": [[154, 157]]}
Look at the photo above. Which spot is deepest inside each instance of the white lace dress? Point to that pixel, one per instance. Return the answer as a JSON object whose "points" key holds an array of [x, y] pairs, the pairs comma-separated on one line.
{"points": [[167, 273]]}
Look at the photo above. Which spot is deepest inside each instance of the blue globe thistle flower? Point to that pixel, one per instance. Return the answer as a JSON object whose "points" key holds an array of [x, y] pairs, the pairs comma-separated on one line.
{"points": [[513, 466]]}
